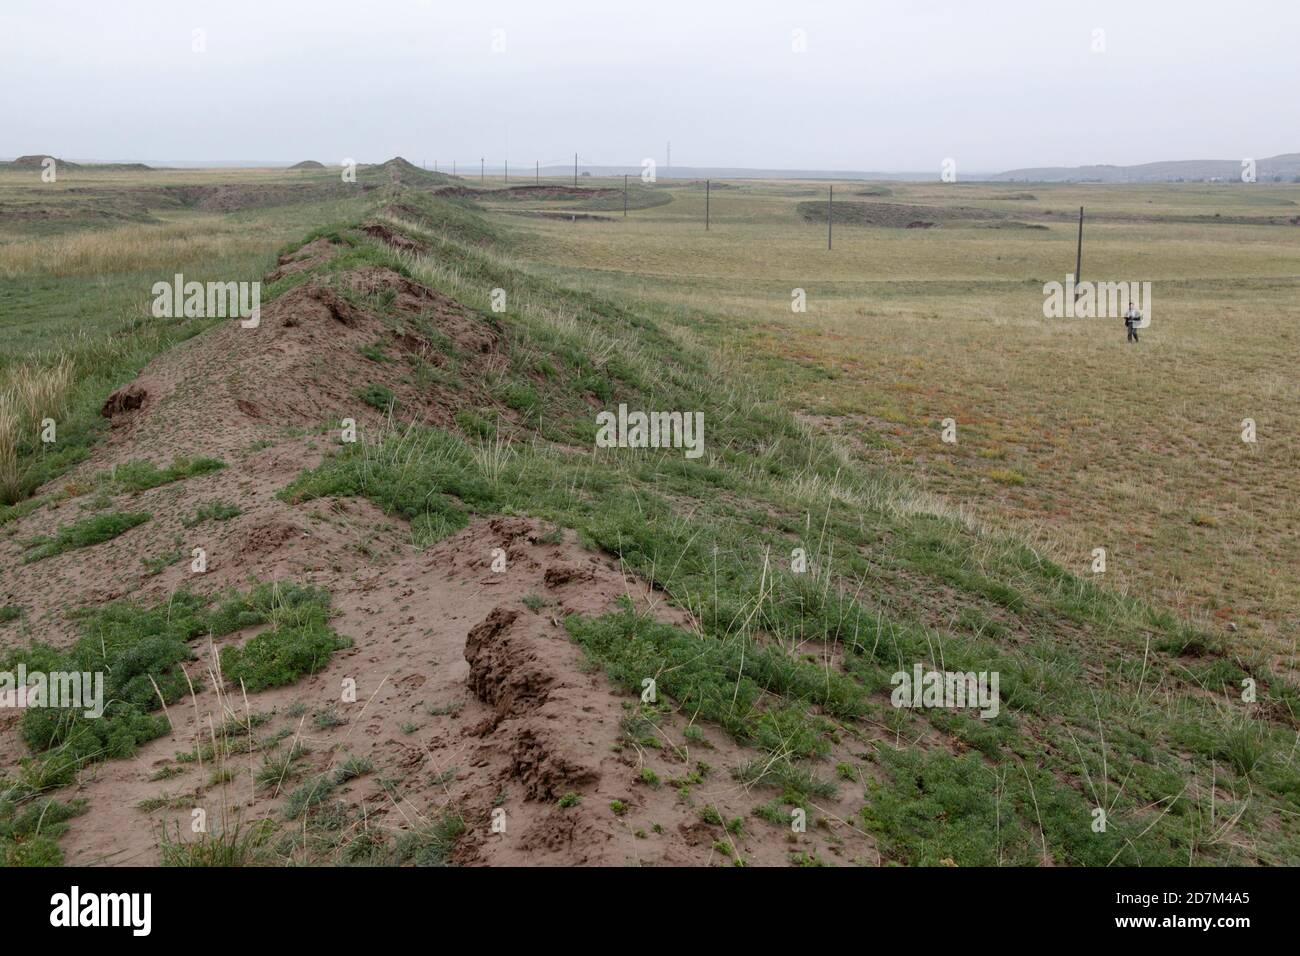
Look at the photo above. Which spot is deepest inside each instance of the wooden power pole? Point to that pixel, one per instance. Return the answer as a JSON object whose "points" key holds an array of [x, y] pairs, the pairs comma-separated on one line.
{"points": [[1078, 256]]}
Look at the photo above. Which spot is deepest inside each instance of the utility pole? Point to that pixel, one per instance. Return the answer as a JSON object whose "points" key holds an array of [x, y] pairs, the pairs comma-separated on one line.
{"points": [[1078, 257], [537, 172], [625, 195], [706, 205], [453, 167], [575, 170], [830, 216]]}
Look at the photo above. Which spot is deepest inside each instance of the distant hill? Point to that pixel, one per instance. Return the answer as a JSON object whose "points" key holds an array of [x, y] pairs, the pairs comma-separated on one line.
{"points": [[403, 170], [308, 164], [1284, 168], [36, 161]]}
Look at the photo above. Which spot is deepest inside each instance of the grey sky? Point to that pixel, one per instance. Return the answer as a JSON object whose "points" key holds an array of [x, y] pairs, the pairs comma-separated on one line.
{"points": [[883, 86]]}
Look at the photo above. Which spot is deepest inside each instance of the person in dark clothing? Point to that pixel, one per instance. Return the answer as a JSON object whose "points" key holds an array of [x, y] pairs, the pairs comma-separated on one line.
{"points": [[1131, 319]]}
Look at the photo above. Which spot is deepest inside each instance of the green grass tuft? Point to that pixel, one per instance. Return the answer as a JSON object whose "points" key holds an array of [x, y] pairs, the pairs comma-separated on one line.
{"points": [[82, 534]]}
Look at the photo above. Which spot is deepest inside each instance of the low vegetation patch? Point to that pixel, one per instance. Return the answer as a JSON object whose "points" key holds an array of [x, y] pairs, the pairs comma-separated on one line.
{"points": [[299, 641], [377, 396], [212, 511], [139, 475], [141, 651], [82, 534]]}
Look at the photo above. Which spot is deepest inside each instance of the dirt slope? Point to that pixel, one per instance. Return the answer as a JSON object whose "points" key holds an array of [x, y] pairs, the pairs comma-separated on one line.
{"points": [[469, 700]]}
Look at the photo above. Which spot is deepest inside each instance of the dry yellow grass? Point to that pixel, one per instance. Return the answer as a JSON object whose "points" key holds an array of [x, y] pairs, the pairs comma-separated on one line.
{"points": [[30, 393], [130, 248], [11, 474], [1066, 435]]}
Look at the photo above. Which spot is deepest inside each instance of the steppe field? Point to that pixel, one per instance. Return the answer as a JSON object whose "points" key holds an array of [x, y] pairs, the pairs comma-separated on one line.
{"points": [[473, 636]]}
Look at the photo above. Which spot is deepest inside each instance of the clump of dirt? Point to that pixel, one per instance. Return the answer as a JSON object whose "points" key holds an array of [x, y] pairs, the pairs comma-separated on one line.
{"points": [[338, 308], [395, 239], [268, 537], [559, 575], [126, 399], [301, 259]]}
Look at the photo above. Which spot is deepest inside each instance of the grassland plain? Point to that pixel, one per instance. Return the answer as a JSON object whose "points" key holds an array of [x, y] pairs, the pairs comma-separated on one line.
{"points": [[1111, 702], [78, 258], [1078, 440]]}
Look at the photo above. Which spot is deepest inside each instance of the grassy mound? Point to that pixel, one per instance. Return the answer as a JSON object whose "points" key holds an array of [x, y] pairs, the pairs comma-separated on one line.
{"points": [[1080, 728]]}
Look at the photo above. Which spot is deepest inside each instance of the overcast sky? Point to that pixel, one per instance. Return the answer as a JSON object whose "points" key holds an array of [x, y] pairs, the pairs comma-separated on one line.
{"points": [[995, 84]]}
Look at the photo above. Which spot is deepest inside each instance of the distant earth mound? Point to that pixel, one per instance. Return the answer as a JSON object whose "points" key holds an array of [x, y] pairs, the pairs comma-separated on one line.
{"points": [[403, 170], [308, 164], [589, 198], [892, 215], [553, 192], [36, 161]]}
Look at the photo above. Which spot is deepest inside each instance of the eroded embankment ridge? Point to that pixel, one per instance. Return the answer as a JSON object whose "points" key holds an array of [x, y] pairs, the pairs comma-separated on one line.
{"points": [[462, 723]]}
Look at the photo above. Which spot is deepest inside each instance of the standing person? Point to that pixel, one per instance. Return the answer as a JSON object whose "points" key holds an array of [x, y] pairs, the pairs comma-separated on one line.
{"points": [[1131, 319]]}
